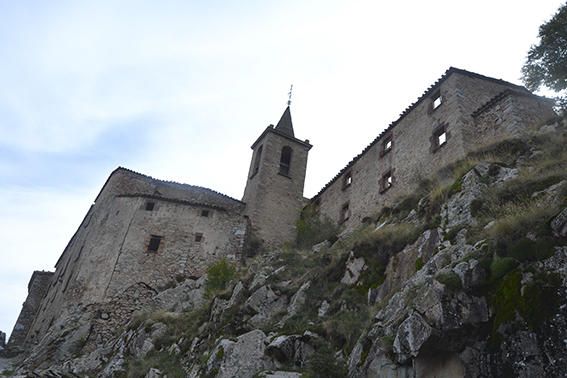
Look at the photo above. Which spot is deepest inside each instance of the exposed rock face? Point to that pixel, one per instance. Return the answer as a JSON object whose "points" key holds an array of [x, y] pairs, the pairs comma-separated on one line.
{"points": [[264, 303], [559, 224], [354, 268], [241, 358], [446, 293]]}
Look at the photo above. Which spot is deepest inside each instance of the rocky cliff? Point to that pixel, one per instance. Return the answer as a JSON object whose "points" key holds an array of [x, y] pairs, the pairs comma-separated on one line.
{"points": [[465, 278]]}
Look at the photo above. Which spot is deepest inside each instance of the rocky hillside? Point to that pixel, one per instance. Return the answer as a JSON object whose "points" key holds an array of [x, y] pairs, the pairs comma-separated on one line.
{"points": [[467, 278]]}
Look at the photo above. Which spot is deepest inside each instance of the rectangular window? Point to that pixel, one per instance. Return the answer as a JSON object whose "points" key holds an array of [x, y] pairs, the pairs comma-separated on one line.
{"points": [[204, 213], [198, 237], [153, 245], [347, 180], [150, 205], [387, 145], [436, 100], [439, 137], [387, 181], [345, 213]]}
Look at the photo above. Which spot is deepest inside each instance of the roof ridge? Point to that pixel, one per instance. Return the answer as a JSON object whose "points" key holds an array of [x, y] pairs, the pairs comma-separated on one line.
{"points": [[174, 182]]}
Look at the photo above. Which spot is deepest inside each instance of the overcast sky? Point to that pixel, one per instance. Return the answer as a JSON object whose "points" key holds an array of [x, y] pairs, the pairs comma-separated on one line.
{"points": [[179, 90]]}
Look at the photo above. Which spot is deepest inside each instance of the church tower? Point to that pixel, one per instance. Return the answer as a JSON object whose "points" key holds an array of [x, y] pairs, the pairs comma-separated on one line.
{"points": [[274, 188]]}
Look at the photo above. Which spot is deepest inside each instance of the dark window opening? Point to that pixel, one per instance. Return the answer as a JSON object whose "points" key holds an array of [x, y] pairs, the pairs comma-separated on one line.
{"points": [[436, 100], [150, 205], [387, 145], [387, 181], [285, 161], [345, 213], [257, 160], [439, 138], [204, 213], [198, 237], [154, 243], [347, 180]]}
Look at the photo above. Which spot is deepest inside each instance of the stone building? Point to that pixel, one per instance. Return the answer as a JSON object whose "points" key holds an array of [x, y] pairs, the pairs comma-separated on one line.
{"points": [[461, 112], [144, 231]]}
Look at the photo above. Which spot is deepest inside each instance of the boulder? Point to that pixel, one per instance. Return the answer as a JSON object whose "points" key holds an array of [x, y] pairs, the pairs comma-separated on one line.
{"points": [[354, 268], [321, 246], [264, 303], [298, 300], [411, 335], [185, 296], [559, 224], [241, 358]]}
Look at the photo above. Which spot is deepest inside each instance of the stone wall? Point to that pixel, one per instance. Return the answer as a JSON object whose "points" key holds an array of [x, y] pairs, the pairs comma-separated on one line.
{"points": [[37, 287], [360, 189], [111, 249], [274, 200], [510, 113]]}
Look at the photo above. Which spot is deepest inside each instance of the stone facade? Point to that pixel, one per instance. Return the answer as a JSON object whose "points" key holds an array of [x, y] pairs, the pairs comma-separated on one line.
{"points": [[37, 288], [141, 230], [142, 234], [449, 120], [274, 188]]}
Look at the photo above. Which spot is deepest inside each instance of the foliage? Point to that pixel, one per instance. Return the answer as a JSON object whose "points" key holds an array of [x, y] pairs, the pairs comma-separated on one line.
{"points": [[419, 264], [323, 364], [219, 275], [311, 229], [162, 360], [535, 301], [499, 267], [450, 279], [546, 64]]}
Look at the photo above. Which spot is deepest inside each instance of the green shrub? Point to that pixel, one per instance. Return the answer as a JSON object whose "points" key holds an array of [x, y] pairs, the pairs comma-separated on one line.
{"points": [[323, 364], [450, 279], [499, 267], [219, 276], [311, 229], [418, 264]]}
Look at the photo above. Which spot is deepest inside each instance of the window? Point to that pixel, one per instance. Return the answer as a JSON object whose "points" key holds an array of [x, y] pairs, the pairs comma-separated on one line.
{"points": [[345, 213], [153, 245], [257, 161], [198, 237], [436, 100], [150, 205], [347, 180], [387, 145], [285, 161], [439, 137], [387, 181], [204, 213]]}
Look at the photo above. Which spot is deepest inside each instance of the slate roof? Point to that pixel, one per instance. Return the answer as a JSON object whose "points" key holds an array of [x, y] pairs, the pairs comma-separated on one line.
{"points": [[285, 125], [182, 193]]}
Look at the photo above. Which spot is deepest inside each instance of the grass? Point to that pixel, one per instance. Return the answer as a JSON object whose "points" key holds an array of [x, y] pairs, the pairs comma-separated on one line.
{"points": [[312, 229], [219, 275]]}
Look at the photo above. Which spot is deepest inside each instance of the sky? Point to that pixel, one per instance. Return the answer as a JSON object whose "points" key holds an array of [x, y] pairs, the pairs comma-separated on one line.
{"points": [[179, 90]]}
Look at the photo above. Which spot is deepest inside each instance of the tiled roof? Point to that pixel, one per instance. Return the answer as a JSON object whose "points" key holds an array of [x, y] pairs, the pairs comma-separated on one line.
{"points": [[428, 92]]}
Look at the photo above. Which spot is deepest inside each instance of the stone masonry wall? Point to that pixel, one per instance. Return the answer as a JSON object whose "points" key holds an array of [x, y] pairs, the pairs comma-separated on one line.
{"points": [[508, 114], [413, 155], [37, 288], [274, 201], [109, 251]]}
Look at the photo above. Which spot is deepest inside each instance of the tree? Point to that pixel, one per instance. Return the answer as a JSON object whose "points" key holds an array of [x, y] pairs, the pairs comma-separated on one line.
{"points": [[546, 63]]}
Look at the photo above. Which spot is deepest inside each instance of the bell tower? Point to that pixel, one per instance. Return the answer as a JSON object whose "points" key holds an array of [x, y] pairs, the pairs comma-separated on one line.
{"points": [[274, 187]]}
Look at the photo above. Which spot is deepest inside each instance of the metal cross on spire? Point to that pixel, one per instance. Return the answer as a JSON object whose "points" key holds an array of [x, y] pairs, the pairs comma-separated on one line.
{"points": [[289, 95]]}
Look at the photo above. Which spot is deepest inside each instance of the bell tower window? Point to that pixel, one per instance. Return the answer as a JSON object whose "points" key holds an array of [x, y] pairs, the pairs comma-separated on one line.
{"points": [[285, 161], [257, 160]]}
